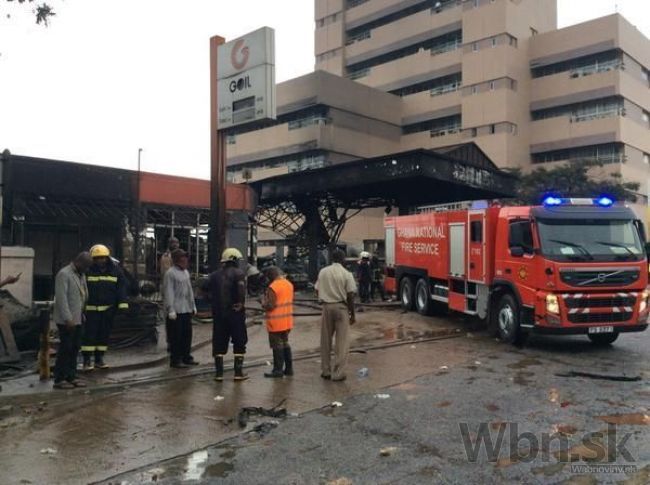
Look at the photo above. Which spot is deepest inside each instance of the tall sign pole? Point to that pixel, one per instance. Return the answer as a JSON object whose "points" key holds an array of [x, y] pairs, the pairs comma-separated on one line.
{"points": [[242, 91], [217, 239]]}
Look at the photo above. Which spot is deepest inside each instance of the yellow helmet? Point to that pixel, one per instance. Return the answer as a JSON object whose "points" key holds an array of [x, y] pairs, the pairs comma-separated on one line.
{"points": [[231, 254], [99, 251]]}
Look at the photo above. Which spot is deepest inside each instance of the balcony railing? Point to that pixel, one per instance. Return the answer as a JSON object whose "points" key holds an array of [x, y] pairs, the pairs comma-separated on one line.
{"points": [[449, 130], [446, 47], [358, 74], [447, 88]]}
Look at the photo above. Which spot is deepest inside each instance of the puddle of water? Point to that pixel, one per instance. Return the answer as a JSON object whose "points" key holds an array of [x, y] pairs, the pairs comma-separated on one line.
{"points": [[524, 363], [634, 419], [196, 465]]}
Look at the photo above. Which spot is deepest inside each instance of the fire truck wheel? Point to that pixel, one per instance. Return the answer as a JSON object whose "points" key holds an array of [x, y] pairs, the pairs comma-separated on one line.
{"points": [[407, 293], [507, 319], [423, 303], [603, 338]]}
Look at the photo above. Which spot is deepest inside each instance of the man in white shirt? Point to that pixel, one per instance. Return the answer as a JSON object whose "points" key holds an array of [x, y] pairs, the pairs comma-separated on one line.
{"points": [[336, 289], [180, 306]]}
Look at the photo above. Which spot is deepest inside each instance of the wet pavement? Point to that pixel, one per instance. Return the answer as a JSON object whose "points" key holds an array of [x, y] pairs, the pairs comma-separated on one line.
{"points": [[400, 424]]}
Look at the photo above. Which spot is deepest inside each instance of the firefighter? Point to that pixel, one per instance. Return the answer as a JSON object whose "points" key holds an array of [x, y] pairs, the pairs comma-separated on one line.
{"points": [[278, 304], [364, 275], [226, 289], [106, 295], [377, 278]]}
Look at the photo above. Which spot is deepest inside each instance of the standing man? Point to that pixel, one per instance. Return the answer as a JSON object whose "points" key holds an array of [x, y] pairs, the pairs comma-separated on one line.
{"points": [[364, 275], [166, 261], [278, 303], [377, 278], [106, 295], [336, 289], [71, 294], [226, 290], [180, 306]]}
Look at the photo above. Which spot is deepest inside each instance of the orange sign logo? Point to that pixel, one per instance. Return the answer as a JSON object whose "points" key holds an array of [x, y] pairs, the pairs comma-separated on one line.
{"points": [[523, 273], [239, 55]]}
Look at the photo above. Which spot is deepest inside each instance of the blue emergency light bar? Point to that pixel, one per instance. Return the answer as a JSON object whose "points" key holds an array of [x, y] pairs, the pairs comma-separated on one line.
{"points": [[553, 201]]}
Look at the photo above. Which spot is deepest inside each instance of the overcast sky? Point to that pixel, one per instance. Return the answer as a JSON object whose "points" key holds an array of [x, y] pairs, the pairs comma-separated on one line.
{"points": [[109, 76]]}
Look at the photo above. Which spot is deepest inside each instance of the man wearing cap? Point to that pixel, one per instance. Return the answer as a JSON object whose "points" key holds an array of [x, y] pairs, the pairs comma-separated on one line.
{"points": [[180, 306], [106, 295]]}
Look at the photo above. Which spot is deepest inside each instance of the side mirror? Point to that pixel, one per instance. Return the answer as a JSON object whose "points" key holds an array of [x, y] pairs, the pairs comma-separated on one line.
{"points": [[517, 251]]}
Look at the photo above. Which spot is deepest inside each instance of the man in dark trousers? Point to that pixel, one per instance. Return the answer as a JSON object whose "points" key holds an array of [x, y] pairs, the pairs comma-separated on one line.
{"points": [[106, 295], [180, 306], [364, 275], [71, 294], [377, 278], [226, 289], [278, 306]]}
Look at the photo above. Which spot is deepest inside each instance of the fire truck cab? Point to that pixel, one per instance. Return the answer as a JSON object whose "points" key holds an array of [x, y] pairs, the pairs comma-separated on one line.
{"points": [[570, 266]]}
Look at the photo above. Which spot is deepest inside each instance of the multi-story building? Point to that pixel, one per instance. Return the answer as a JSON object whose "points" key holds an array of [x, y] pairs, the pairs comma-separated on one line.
{"points": [[408, 74]]}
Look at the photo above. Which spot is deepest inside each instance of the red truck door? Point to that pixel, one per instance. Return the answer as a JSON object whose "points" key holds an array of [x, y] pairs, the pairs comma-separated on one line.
{"points": [[476, 246]]}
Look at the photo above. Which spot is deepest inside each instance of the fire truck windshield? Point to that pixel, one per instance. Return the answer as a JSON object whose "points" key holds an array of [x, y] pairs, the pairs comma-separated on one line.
{"points": [[590, 240]]}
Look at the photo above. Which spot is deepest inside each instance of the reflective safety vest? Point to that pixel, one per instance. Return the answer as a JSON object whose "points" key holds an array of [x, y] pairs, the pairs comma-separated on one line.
{"points": [[280, 318]]}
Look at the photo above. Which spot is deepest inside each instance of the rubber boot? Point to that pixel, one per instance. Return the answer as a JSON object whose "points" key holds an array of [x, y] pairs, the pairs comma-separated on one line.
{"points": [[278, 364], [218, 368], [99, 360], [288, 362], [88, 364], [239, 368]]}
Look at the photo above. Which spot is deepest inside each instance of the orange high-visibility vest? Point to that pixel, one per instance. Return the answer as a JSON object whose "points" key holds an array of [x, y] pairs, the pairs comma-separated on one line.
{"points": [[280, 318]]}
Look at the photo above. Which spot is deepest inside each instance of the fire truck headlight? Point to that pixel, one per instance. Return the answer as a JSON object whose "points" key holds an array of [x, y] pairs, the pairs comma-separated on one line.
{"points": [[552, 304], [643, 306]]}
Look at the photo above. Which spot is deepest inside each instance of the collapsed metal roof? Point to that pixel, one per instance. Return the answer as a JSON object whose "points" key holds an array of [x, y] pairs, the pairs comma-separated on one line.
{"points": [[407, 179]]}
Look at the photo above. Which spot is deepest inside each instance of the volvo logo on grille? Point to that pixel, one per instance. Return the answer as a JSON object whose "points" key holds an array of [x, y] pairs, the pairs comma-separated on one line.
{"points": [[602, 277]]}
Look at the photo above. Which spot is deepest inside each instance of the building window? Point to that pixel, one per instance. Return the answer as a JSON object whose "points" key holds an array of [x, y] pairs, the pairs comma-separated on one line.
{"points": [[475, 47], [473, 132], [533, 32], [231, 139], [605, 153], [646, 118], [583, 66], [436, 87], [477, 3], [587, 111], [494, 41], [646, 158], [492, 85], [308, 162], [645, 75], [493, 129], [475, 89], [513, 129], [512, 41], [436, 127], [513, 84], [452, 41], [355, 3]]}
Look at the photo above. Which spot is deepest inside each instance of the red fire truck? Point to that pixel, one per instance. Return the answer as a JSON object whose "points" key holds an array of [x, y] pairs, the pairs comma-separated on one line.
{"points": [[569, 266]]}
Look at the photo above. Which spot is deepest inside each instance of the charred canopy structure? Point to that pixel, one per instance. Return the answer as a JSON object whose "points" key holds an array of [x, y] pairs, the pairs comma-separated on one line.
{"points": [[312, 207]]}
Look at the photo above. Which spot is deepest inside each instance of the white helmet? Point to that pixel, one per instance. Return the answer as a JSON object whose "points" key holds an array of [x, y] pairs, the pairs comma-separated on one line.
{"points": [[365, 255]]}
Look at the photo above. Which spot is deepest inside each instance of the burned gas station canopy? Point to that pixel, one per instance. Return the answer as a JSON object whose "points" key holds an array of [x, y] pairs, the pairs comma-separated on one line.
{"points": [[408, 179]]}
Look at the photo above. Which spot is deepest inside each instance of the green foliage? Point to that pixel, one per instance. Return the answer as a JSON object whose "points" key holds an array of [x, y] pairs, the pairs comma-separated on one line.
{"points": [[571, 180], [43, 11]]}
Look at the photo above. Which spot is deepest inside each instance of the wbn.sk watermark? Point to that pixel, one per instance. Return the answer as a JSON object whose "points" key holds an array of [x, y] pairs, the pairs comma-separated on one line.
{"points": [[503, 444]]}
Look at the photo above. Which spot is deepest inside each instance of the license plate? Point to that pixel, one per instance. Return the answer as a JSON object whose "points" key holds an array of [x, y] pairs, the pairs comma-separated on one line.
{"points": [[601, 329]]}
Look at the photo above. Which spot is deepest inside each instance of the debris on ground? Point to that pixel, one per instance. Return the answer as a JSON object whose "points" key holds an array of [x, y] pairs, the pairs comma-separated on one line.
{"points": [[477, 362], [4, 410], [387, 451], [336, 404], [632, 419], [263, 429], [48, 451], [274, 412], [443, 367], [363, 372], [382, 396], [219, 398], [599, 376], [340, 481]]}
